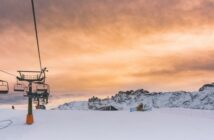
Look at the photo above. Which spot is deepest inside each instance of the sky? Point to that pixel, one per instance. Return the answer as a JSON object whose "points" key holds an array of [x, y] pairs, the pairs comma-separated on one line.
{"points": [[98, 47]]}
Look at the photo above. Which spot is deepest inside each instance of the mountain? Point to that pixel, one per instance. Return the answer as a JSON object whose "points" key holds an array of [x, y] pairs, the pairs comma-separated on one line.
{"points": [[124, 100]]}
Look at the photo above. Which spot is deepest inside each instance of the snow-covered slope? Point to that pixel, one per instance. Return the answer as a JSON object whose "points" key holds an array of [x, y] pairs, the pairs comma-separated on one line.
{"points": [[203, 99], [162, 124]]}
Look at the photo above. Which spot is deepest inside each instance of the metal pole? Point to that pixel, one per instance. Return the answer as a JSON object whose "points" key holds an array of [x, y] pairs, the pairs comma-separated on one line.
{"points": [[38, 103], [30, 108]]}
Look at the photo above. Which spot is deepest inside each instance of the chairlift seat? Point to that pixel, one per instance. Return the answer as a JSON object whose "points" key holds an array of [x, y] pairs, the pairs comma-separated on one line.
{"points": [[42, 88], [19, 87], [4, 88]]}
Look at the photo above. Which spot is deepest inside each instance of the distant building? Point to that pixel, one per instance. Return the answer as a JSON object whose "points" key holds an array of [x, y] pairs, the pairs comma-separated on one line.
{"points": [[108, 108]]}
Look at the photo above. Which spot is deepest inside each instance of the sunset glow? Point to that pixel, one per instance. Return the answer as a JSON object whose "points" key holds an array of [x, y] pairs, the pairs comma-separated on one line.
{"points": [[98, 47]]}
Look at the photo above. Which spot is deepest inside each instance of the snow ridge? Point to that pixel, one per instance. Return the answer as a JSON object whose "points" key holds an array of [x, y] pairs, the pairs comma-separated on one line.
{"points": [[124, 100]]}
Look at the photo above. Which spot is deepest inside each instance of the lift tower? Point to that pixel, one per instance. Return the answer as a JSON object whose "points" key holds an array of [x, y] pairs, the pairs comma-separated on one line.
{"points": [[31, 77]]}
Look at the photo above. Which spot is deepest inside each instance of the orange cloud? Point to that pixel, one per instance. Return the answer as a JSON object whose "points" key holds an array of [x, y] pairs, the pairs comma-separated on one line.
{"points": [[104, 46]]}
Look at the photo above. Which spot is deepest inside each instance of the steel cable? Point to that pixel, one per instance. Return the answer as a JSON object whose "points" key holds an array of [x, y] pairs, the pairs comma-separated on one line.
{"points": [[8, 73], [37, 38]]}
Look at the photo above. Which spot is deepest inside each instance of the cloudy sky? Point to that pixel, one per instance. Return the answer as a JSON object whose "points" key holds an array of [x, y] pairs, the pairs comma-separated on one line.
{"points": [[97, 47]]}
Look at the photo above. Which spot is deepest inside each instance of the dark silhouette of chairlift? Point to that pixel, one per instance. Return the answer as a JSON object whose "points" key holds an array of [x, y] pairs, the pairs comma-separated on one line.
{"points": [[4, 87]]}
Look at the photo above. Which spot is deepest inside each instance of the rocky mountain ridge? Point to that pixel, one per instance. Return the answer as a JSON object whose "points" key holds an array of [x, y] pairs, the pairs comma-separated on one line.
{"points": [[124, 100]]}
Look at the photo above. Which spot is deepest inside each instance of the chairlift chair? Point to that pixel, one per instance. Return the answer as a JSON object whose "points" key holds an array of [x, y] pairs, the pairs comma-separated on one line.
{"points": [[4, 87], [43, 91], [19, 87], [42, 88]]}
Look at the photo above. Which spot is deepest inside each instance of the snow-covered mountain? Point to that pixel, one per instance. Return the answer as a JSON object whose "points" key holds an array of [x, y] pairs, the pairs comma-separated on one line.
{"points": [[124, 100]]}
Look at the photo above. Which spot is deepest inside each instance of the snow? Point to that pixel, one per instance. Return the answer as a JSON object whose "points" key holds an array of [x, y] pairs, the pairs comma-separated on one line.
{"points": [[173, 117], [124, 100], [161, 124], [76, 105]]}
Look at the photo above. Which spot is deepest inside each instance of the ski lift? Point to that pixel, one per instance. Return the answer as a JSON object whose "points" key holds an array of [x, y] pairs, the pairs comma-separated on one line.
{"points": [[4, 87], [19, 87]]}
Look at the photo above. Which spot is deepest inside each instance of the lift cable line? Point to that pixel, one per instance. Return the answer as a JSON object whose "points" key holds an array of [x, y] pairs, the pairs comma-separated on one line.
{"points": [[8, 73], [37, 38]]}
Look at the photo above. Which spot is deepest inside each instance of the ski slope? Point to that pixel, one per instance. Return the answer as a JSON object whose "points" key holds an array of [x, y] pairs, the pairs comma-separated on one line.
{"points": [[163, 124]]}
